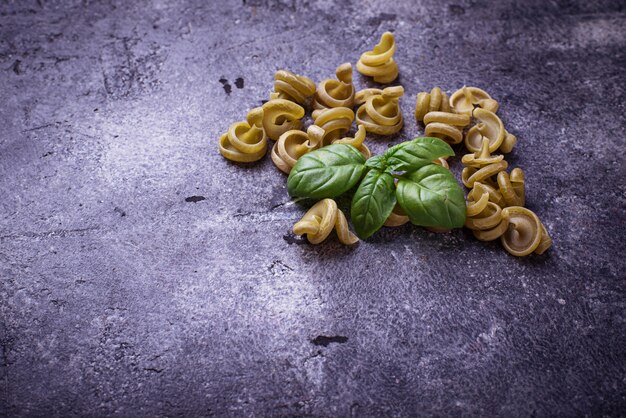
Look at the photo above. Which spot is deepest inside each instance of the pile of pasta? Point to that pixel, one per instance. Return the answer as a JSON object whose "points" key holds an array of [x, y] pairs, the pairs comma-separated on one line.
{"points": [[496, 199], [495, 202]]}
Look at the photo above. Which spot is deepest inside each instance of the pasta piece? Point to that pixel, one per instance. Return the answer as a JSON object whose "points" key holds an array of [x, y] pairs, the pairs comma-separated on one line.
{"points": [[397, 217], [545, 243], [335, 121], [357, 142], [471, 175], [446, 126], [434, 101], [290, 86], [361, 96], [481, 158], [381, 113], [524, 232], [245, 141], [294, 144], [321, 219], [485, 219], [379, 63], [464, 99], [480, 188], [280, 116], [336, 93], [489, 126], [512, 187]]}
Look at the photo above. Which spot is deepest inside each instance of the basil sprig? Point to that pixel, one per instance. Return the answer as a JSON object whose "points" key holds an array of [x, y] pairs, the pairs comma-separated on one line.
{"points": [[428, 193]]}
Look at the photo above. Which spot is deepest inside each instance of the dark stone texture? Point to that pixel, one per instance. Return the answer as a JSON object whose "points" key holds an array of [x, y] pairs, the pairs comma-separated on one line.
{"points": [[119, 297]]}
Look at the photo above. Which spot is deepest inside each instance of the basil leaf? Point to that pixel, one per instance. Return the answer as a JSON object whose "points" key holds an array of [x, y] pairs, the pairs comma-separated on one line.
{"points": [[326, 172], [372, 203], [377, 162], [430, 196], [411, 155]]}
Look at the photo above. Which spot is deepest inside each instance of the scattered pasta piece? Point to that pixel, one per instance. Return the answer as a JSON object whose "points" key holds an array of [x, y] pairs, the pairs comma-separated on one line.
{"points": [[446, 126], [294, 144], [361, 96], [357, 142], [434, 101], [524, 232], [336, 122], [290, 86], [379, 63], [466, 98], [321, 219], [489, 126], [481, 158], [381, 114], [245, 141], [280, 116], [336, 93], [486, 219], [512, 187], [471, 175]]}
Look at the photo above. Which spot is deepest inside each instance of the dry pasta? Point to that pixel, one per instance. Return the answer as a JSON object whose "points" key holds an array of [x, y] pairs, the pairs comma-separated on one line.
{"points": [[485, 219], [381, 114], [294, 87], [336, 93], [245, 141], [466, 98], [335, 121], [434, 101], [320, 221], [512, 187], [357, 142], [294, 144], [524, 233], [489, 126], [446, 126], [280, 116], [379, 63]]}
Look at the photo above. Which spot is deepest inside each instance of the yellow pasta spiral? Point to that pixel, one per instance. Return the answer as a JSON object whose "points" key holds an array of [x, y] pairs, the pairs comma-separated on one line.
{"points": [[524, 233], [245, 141], [357, 142], [336, 93], [280, 116], [512, 187], [336, 122], [471, 175], [381, 114], [466, 98], [434, 101], [379, 63], [294, 87], [294, 144], [489, 126], [446, 126], [320, 221], [485, 219]]}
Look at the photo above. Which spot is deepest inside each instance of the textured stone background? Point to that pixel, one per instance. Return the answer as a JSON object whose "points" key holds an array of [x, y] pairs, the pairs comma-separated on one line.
{"points": [[121, 294]]}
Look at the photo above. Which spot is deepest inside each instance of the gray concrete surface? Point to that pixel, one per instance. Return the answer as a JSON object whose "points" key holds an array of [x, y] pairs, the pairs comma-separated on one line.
{"points": [[123, 295]]}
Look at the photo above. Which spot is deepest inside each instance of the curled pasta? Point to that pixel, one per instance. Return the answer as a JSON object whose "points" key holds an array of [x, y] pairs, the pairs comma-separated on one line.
{"points": [[294, 87], [280, 116], [294, 144], [471, 175], [480, 188], [434, 101], [481, 158], [361, 96], [336, 122], [485, 219], [524, 232], [245, 141], [512, 187], [320, 221], [381, 114], [397, 217], [357, 142], [336, 93], [379, 63], [446, 126], [464, 99], [489, 126], [545, 243]]}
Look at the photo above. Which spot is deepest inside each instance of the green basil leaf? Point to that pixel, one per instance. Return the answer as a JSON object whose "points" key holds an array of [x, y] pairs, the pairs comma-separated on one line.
{"points": [[372, 203], [431, 196], [326, 172], [411, 155], [377, 163]]}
